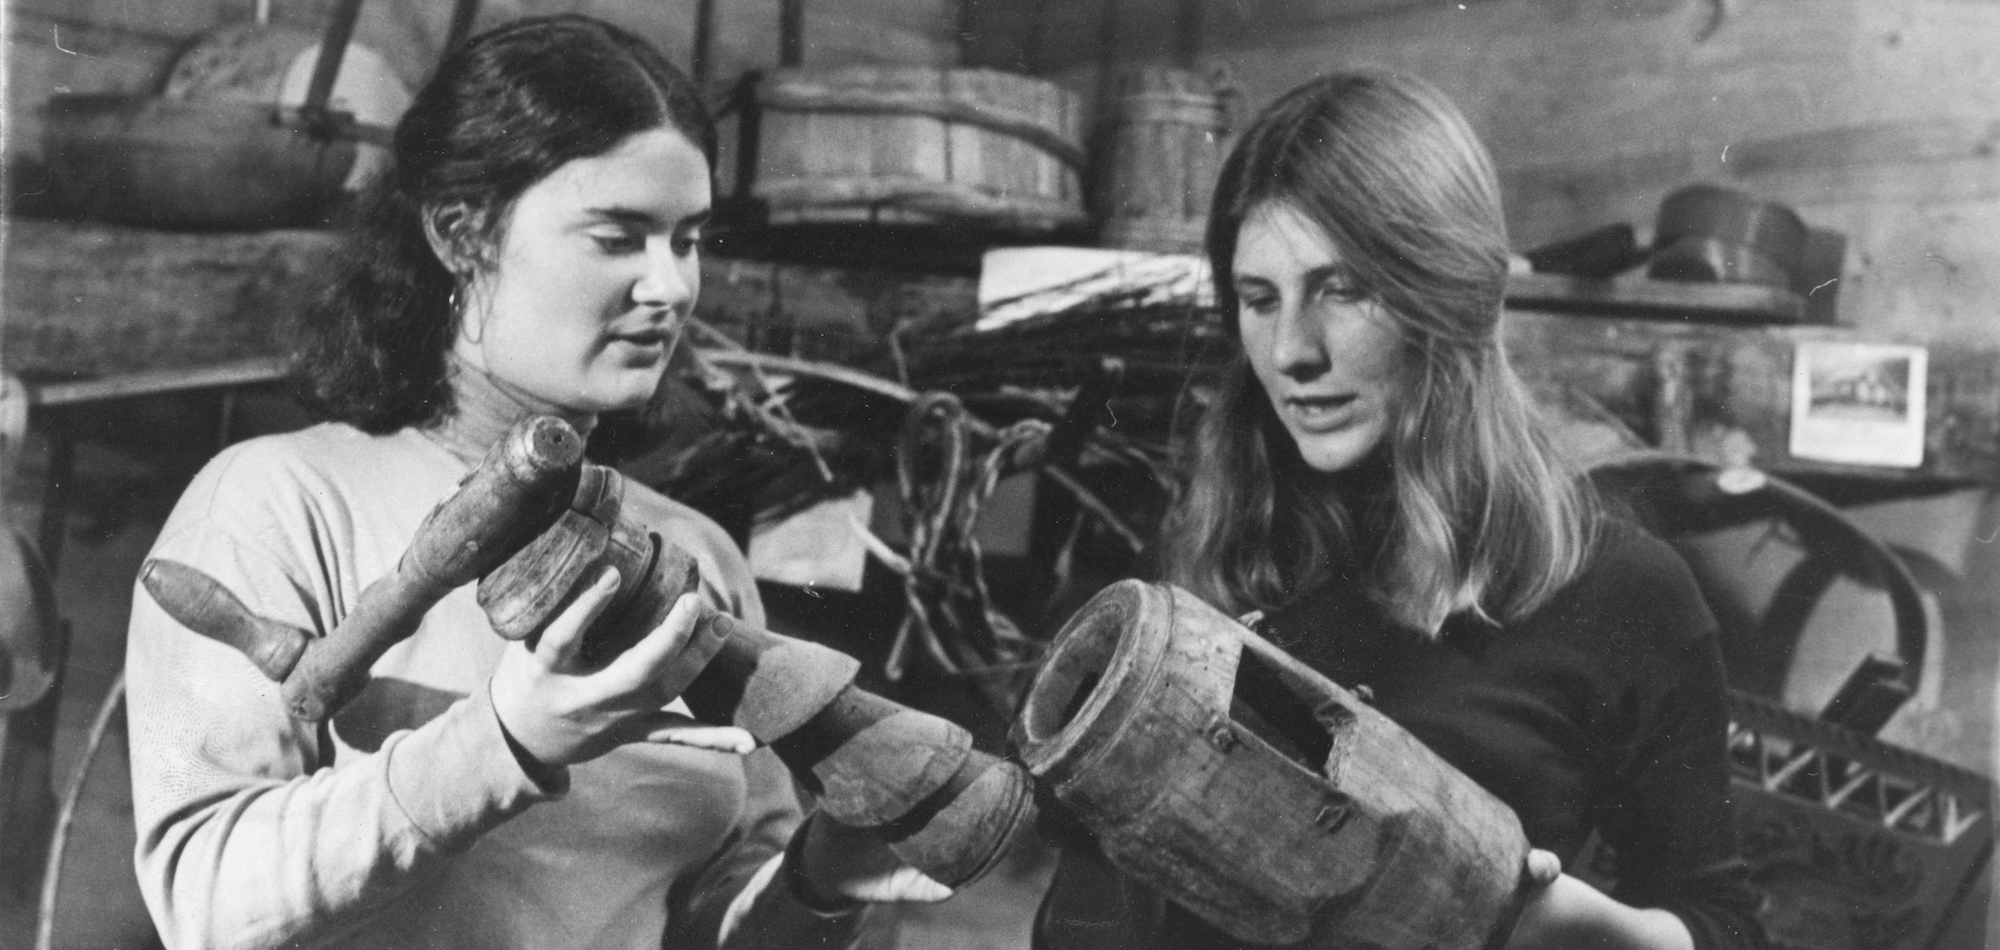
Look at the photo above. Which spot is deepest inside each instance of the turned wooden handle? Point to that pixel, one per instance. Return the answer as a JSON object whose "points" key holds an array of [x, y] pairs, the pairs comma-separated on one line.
{"points": [[200, 603], [522, 485]]}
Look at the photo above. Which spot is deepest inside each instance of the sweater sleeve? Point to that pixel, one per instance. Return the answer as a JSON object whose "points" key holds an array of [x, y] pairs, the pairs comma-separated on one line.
{"points": [[1672, 827], [246, 837]]}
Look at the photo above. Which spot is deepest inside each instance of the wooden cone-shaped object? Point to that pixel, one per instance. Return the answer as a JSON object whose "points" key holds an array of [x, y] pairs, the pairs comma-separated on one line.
{"points": [[1256, 793], [949, 810]]}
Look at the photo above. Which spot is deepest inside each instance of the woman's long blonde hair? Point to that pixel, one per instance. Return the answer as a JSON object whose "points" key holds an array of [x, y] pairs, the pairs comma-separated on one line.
{"points": [[1483, 514]]}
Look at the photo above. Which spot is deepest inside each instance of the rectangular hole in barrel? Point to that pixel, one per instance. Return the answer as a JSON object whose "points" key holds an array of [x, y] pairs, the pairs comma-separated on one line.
{"points": [[1267, 706]]}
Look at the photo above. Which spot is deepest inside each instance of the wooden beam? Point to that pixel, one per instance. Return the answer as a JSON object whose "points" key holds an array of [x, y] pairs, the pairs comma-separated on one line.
{"points": [[91, 301], [243, 372], [95, 300]]}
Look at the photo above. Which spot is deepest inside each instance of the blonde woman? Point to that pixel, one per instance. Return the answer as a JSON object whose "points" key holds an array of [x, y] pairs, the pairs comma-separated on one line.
{"points": [[1374, 478]]}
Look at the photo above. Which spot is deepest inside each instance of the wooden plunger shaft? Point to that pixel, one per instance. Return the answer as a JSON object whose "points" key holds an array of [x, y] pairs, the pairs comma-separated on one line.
{"points": [[200, 603], [514, 493], [526, 480]]}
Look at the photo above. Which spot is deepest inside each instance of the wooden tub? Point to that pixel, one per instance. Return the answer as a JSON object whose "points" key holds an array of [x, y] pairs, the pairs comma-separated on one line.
{"points": [[912, 145]]}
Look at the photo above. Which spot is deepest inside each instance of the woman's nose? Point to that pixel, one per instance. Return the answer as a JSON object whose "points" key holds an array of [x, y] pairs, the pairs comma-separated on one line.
{"points": [[1297, 347], [668, 277]]}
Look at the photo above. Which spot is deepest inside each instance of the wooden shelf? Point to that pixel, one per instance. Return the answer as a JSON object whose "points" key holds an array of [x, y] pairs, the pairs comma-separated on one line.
{"points": [[1711, 390], [1655, 299], [243, 372]]}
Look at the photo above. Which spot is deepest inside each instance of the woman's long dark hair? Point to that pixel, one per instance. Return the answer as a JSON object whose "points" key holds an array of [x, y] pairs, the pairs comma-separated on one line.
{"points": [[1484, 515], [503, 112]]}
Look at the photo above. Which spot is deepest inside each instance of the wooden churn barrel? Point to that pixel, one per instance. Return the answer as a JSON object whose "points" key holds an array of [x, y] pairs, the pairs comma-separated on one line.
{"points": [[1162, 146], [913, 145], [273, 65], [257, 127], [1256, 793]]}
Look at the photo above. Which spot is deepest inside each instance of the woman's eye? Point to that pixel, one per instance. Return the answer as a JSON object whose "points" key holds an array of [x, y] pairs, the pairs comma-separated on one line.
{"points": [[1341, 289], [1257, 301], [621, 242], [686, 243]]}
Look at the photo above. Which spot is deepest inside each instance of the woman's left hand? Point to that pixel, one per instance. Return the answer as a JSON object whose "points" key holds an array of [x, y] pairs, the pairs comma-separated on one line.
{"points": [[1569, 913], [844, 863]]}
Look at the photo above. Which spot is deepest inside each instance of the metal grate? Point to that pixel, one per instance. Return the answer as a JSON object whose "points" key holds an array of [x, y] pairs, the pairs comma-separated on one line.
{"points": [[1858, 844], [1916, 797]]}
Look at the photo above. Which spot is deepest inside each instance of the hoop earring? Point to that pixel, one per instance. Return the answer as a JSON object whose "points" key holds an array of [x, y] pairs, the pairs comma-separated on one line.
{"points": [[461, 292]]}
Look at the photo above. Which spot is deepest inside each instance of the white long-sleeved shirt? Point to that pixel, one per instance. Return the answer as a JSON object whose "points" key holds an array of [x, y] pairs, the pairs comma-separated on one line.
{"points": [[409, 823]]}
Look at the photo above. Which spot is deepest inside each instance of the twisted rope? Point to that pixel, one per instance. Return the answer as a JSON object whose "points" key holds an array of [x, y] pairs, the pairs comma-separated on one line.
{"points": [[951, 617]]}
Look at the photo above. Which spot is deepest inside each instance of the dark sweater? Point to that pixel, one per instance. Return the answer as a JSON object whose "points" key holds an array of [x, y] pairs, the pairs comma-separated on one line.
{"points": [[1604, 711]]}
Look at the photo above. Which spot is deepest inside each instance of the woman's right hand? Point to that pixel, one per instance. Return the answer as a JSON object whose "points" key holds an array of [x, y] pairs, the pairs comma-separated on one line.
{"points": [[561, 712]]}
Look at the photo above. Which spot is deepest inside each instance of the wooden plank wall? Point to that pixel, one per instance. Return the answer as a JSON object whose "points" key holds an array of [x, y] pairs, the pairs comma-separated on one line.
{"points": [[116, 45], [1877, 118]]}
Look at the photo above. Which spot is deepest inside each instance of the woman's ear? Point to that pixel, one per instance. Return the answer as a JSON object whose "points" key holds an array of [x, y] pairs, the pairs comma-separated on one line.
{"points": [[451, 230]]}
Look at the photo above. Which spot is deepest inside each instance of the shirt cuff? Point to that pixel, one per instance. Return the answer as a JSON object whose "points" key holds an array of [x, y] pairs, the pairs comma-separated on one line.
{"points": [[739, 907], [770, 911], [456, 777], [796, 883]]}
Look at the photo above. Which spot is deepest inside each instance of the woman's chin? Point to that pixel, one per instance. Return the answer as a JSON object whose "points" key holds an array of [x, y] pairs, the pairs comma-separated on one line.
{"points": [[627, 390], [1332, 453], [633, 400]]}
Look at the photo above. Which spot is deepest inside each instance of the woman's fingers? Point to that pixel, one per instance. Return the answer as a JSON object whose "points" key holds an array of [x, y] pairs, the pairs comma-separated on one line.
{"points": [[910, 884], [646, 660], [856, 864], [563, 638], [676, 729], [703, 642], [1541, 867], [905, 884], [562, 713]]}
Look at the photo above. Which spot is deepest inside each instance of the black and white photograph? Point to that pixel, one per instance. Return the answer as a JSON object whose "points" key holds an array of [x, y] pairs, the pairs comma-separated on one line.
{"points": [[999, 474], [1861, 403]]}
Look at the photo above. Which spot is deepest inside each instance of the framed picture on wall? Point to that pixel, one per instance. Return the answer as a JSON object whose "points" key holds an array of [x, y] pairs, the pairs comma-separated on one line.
{"points": [[1858, 403]]}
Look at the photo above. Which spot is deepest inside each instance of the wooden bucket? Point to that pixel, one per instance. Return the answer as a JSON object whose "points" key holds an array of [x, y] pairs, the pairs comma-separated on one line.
{"points": [[914, 145], [1163, 148], [1255, 793]]}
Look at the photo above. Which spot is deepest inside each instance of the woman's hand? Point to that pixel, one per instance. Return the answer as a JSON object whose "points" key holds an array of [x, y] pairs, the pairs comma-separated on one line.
{"points": [[1568, 914], [560, 712], [842, 863], [1541, 868]]}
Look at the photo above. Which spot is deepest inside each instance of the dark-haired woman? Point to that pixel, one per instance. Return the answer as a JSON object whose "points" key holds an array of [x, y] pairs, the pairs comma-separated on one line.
{"points": [[1374, 480], [532, 251]]}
